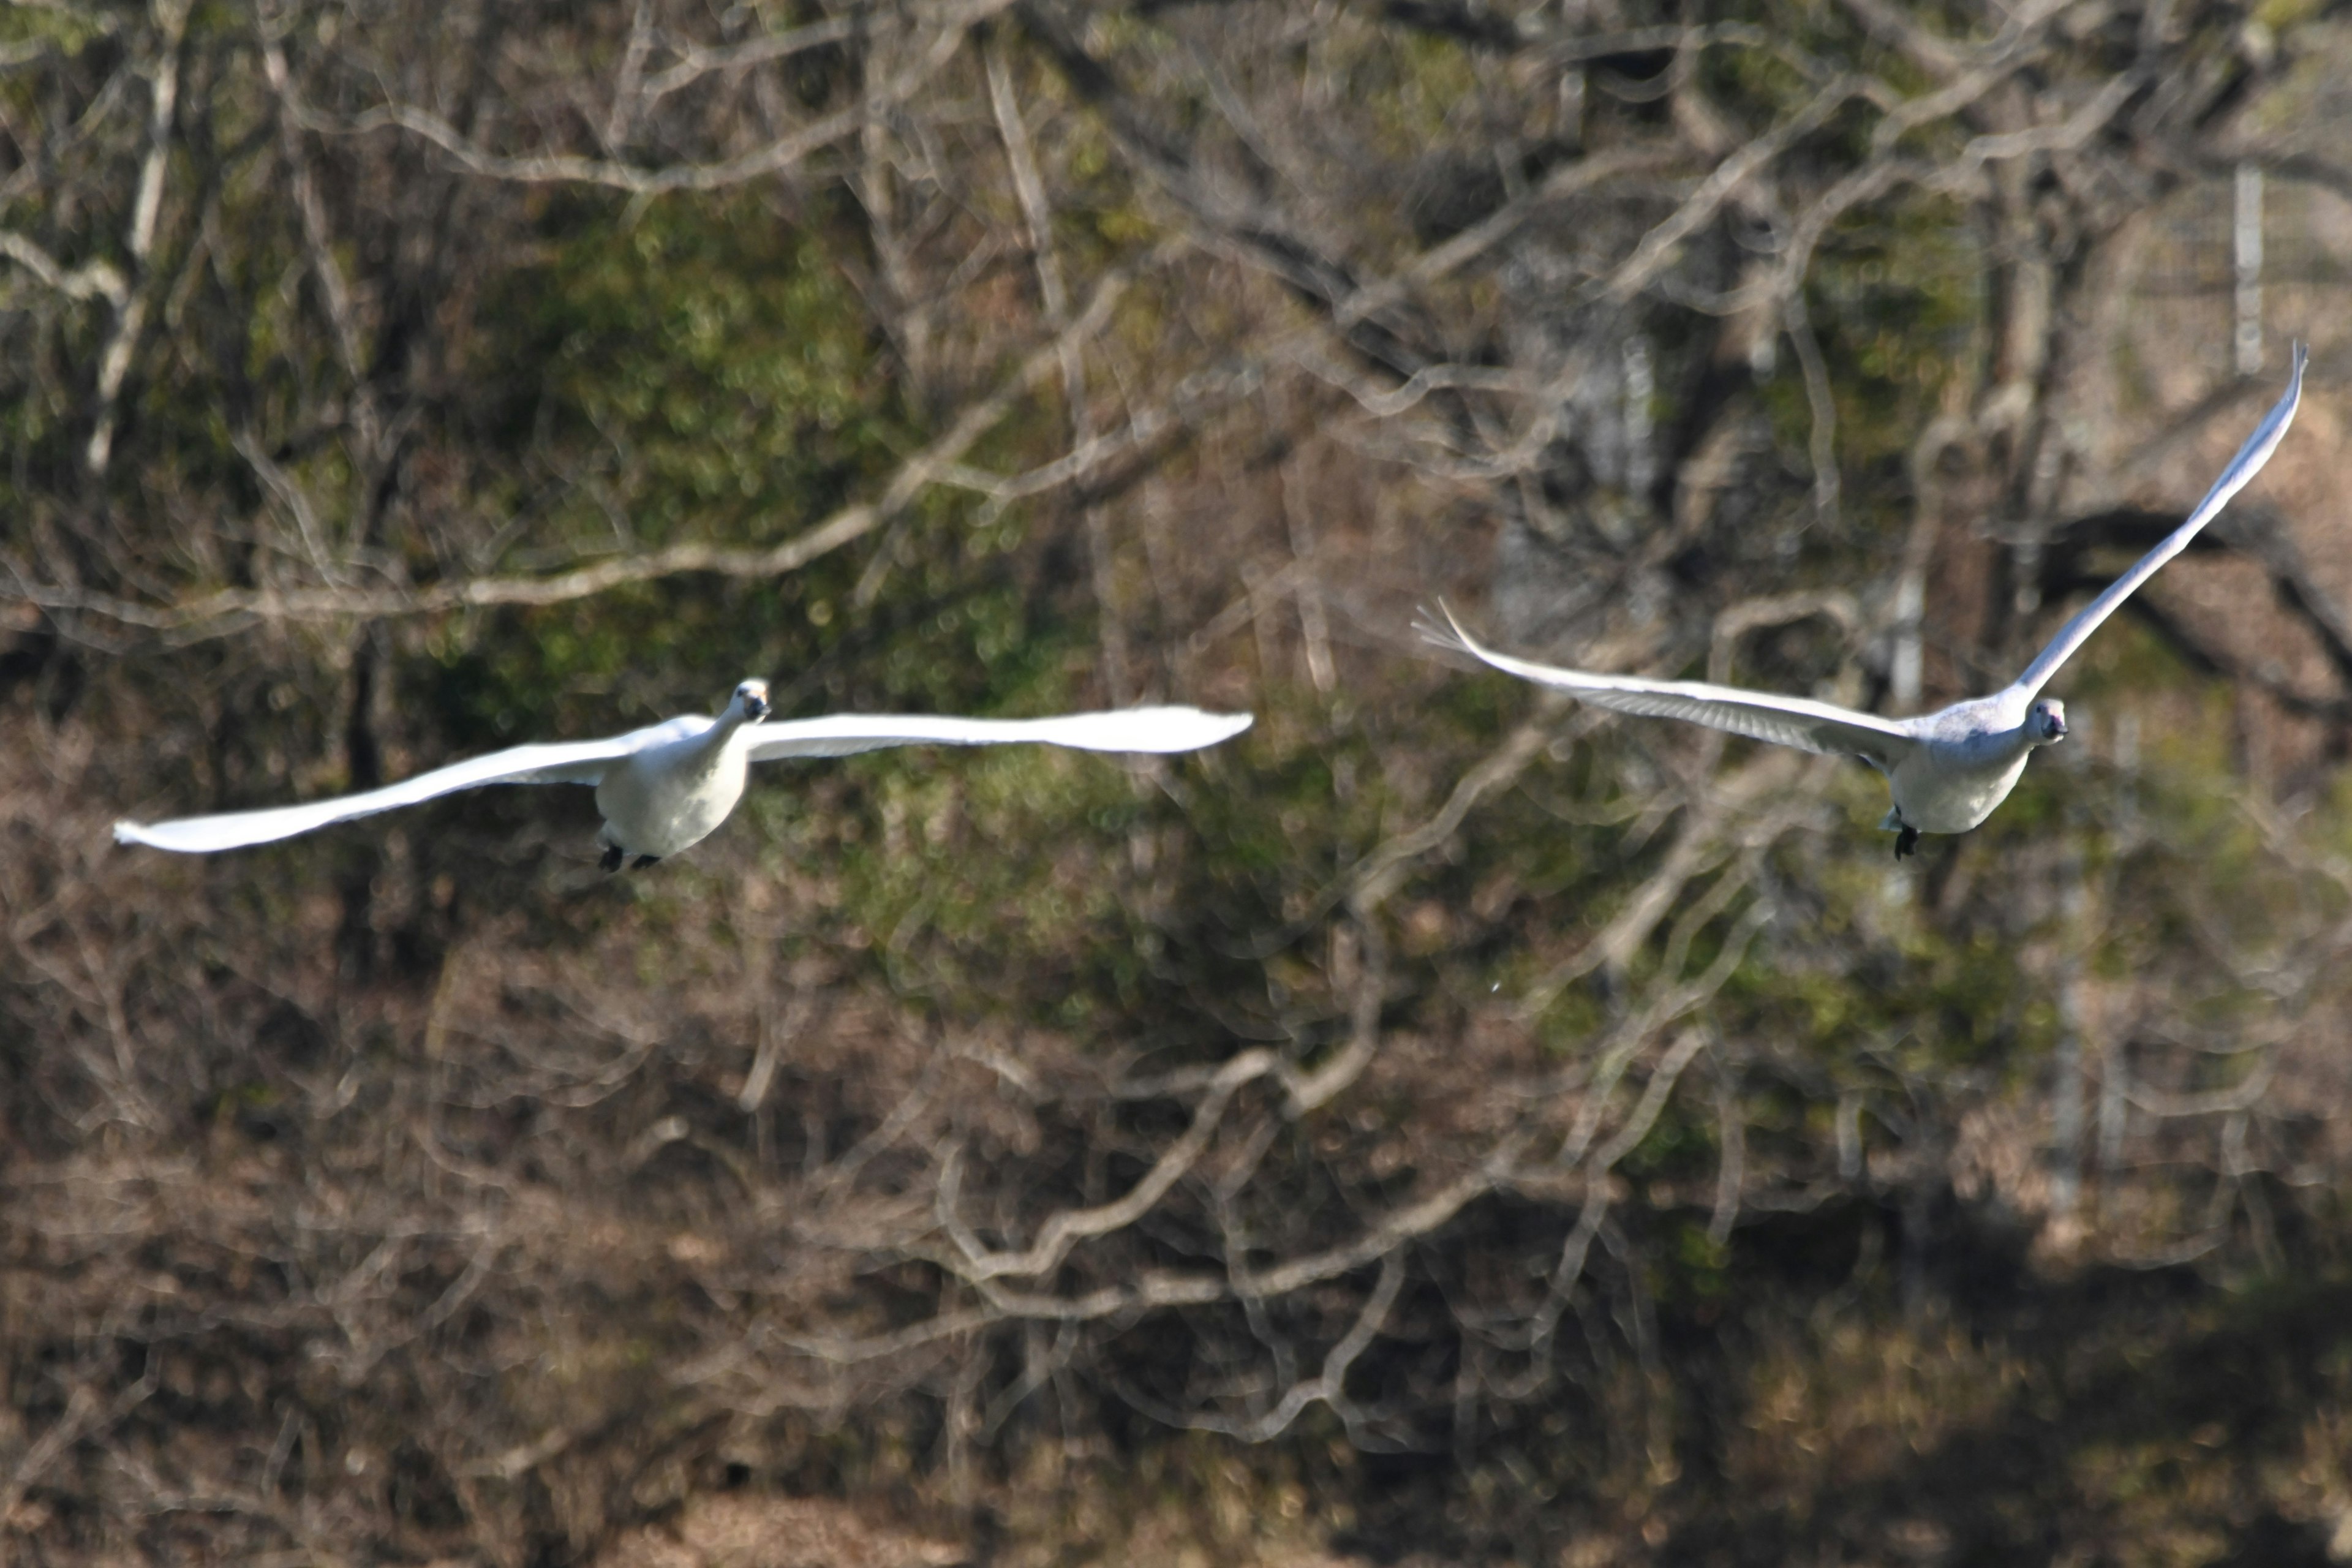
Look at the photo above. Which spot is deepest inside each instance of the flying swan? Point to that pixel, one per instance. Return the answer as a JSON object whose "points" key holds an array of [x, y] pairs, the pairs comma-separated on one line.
{"points": [[666, 786], [1948, 770]]}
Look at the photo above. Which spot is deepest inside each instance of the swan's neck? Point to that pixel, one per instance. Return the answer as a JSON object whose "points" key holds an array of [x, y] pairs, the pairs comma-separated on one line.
{"points": [[712, 744], [1996, 747], [2021, 741]]}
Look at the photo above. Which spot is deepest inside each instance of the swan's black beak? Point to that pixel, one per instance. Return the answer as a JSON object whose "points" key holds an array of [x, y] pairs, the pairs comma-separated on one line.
{"points": [[2054, 728], [755, 706]]}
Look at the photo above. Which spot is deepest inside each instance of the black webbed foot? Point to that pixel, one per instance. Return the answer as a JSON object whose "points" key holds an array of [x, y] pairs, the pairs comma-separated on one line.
{"points": [[642, 861], [612, 860], [1906, 842]]}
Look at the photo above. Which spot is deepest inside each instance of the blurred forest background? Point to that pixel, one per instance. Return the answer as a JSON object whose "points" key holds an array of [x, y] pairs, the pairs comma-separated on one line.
{"points": [[1441, 1126]]}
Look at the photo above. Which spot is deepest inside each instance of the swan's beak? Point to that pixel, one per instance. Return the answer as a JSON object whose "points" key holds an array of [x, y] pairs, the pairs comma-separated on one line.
{"points": [[2054, 727], [755, 706]]}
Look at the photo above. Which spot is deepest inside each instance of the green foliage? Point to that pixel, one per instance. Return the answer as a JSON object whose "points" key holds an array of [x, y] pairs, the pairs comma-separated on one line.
{"points": [[700, 370], [695, 370], [710, 346], [1897, 297]]}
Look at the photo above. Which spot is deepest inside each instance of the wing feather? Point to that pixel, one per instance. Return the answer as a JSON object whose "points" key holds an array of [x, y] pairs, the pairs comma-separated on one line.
{"points": [[1797, 722], [2243, 467], [1160, 730], [577, 761]]}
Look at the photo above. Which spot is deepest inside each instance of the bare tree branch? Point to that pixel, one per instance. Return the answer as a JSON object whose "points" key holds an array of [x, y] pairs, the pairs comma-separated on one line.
{"points": [[954, 24], [130, 315]]}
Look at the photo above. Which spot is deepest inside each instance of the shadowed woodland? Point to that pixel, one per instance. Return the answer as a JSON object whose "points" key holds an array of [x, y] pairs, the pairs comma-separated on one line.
{"points": [[1444, 1125]]}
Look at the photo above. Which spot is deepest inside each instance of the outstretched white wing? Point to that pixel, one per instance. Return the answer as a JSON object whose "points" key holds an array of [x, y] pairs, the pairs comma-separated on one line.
{"points": [[576, 761], [1786, 720], [1126, 730], [2243, 467]]}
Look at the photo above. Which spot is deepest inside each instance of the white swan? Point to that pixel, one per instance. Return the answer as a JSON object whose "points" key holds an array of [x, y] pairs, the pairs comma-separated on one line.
{"points": [[1949, 769], [665, 787]]}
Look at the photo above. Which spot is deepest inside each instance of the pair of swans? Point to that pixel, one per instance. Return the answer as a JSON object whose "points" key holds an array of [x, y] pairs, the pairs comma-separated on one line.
{"points": [[664, 788]]}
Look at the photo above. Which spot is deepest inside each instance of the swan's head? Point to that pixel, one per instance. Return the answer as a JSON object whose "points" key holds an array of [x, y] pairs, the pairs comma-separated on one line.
{"points": [[2047, 722], [752, 698]]}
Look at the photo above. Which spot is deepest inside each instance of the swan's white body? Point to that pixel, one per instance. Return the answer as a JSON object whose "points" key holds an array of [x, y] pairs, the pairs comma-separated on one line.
{"points": [[1948, 770], [1948, 783], [674, 793], [666, 786]]}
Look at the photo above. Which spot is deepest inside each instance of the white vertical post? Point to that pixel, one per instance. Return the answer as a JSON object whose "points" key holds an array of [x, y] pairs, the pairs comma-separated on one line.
{"points": [[1910, 605], [2248, 250], [1641, 386], [2066, 1089], [2115, 1051]]}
